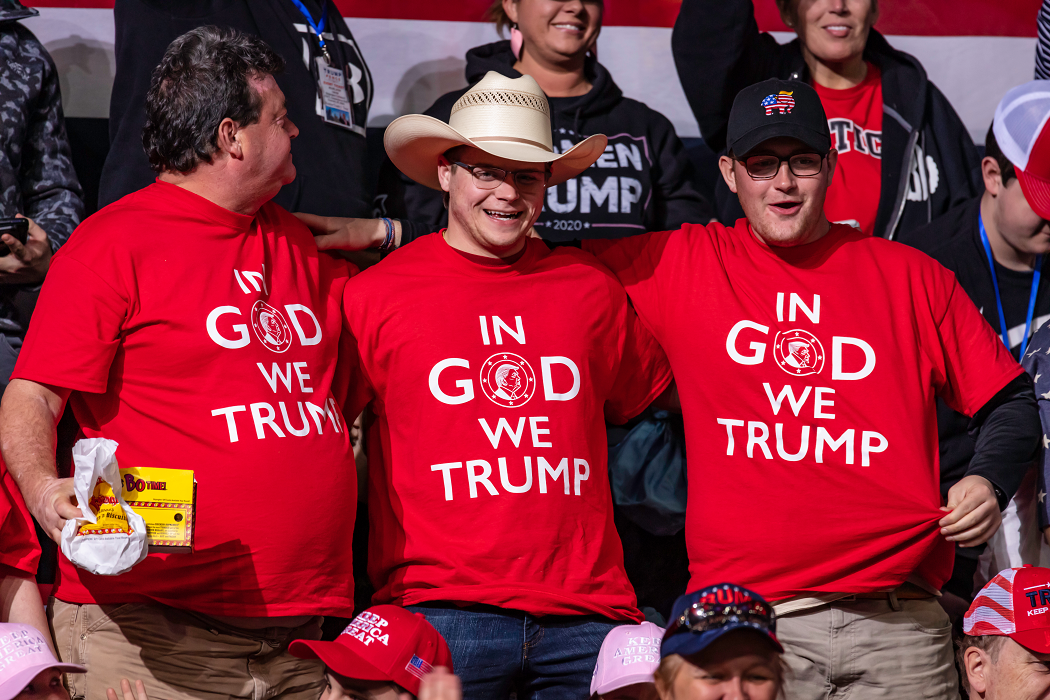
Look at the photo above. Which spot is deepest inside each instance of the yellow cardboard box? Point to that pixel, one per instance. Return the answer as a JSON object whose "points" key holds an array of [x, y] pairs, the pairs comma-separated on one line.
{"points": [[165, 498]]}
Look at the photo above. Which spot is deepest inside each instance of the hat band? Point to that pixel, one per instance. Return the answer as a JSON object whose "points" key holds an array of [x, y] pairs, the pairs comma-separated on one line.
{"points": [[513, 139], [701, 617]]}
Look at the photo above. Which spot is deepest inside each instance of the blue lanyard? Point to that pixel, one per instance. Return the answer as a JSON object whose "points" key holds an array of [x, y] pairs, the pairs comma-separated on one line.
{"points": [[318, 27], [998, 298]]}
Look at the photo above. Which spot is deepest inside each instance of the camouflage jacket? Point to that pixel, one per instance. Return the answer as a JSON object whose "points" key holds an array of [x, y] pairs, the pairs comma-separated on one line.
{"points": [[36, 169]]}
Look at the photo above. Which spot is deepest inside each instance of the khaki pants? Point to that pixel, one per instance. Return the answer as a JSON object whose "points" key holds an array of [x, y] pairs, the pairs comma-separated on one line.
{"points": [[867, 649], [181, 655]]}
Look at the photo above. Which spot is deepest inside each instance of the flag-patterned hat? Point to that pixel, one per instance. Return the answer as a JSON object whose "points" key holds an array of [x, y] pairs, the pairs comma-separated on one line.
{"points": [[1015, 604]]}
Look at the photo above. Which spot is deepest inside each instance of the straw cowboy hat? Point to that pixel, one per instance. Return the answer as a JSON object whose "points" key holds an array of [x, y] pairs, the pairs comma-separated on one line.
{"points": [[507, 117]]}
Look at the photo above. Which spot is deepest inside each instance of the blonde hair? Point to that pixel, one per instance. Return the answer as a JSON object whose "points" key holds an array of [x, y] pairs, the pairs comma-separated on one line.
{"points": [[665, 674], [672, 664]]}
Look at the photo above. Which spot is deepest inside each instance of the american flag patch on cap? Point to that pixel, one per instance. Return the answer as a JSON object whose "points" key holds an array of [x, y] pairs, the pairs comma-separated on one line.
{"points": [[418, 667]]}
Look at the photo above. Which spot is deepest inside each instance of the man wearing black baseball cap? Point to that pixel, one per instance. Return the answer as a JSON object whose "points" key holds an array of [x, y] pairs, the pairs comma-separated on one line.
{"points": [[808, 371]]}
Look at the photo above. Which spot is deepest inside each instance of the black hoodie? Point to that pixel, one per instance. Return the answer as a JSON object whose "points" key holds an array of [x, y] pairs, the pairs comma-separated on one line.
{"points": [[329, 160], [929, 163], [643, 181]]}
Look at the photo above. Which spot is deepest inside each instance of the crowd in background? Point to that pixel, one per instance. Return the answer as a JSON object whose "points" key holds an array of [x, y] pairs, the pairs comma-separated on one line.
{"points": [[385, 497]]}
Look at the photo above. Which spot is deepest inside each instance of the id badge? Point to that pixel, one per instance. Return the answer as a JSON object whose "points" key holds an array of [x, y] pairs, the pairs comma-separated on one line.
{"points": [[334, 100]]}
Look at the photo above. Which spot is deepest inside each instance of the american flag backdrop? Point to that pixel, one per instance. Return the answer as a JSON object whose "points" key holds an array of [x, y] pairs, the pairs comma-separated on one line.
{"points": [[974, 50]]}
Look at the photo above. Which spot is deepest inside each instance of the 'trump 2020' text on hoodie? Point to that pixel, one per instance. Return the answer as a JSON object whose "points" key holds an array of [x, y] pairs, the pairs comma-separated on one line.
{"points": [[643, 181]]}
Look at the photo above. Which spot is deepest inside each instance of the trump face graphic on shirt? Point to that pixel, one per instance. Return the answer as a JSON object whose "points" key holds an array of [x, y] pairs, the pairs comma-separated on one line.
{"points": [[508, 380]]}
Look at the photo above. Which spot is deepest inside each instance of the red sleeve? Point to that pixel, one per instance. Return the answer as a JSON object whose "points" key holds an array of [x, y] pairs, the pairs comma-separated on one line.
{"points": [[642, 265], [358, 391], [643, 375], [75, 330], [971, 360], [20, 549]]}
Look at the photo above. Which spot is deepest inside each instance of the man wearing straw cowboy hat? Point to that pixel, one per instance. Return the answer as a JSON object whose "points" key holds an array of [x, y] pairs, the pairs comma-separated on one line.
{"points": [[492, 362]]}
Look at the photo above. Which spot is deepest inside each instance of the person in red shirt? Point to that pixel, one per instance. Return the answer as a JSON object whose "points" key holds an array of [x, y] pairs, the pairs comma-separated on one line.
{"points": [[855, 121], [196, 324], [808, 357], [491, 362], [19, 557], [905, 156]]}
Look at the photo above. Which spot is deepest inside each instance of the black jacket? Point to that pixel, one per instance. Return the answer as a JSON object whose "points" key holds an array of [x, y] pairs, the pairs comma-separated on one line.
{"points": [[643, 182], [929, 163], [329, 160], [954, 241], [36, 167]]}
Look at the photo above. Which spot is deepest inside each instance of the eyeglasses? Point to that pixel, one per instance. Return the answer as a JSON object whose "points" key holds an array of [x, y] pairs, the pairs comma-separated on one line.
{"points": [[701, 617], [766, 167], [489, 178]]}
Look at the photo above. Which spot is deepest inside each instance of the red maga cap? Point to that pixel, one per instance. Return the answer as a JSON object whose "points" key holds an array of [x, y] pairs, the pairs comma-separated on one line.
{"points": [[1035, 179], [384, 643], [1014, 604], [1020, 129]]}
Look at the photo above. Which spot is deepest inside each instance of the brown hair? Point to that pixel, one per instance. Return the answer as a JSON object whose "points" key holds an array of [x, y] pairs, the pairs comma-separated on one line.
{"points": [[990, 644], [497, 15], [991, 149]]}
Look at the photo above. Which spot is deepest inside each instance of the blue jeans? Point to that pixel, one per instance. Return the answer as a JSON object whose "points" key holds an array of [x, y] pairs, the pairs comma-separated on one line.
{"points": [[497, 652]]}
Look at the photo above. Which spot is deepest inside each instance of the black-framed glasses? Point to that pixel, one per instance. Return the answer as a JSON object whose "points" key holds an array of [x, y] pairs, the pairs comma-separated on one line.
{"points": [[489, 178], [701, 617], [766, 167]]}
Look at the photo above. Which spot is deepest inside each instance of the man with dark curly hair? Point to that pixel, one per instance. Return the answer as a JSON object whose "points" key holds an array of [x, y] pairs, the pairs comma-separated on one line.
{"points": [[195, 323]]}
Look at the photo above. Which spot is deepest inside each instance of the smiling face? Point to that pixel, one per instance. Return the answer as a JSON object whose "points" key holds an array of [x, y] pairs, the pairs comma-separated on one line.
{"points": [[266, 145], [738, 666], [786, 210], [492, 222], [833, 31], [556, 30]]}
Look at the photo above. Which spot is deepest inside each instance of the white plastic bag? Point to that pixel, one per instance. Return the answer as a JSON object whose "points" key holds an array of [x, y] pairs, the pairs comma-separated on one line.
{"points": [[103, 553]]}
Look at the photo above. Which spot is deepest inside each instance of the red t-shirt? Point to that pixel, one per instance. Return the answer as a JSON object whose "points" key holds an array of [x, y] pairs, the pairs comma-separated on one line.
{"points": [[808, 378], [19, 548], [489, 480], [855, 120], [203, 339]]}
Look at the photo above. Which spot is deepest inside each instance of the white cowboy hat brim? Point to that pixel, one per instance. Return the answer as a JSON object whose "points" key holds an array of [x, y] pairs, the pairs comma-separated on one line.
{"points": [[414, 143]]}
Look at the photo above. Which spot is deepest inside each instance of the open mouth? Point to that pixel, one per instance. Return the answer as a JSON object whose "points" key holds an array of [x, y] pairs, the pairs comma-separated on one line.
{"points": [[502, 215], [840, 31], [786, 208], [569, 28]]}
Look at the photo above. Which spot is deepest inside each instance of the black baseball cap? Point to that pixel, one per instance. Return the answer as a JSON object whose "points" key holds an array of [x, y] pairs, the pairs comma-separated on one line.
{"points": [[776, 108]]}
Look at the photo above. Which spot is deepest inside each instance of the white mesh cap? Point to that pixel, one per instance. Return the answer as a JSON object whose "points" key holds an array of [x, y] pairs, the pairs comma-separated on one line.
{"points": [[1020, 118], [1015, 604], [992, 611]]}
